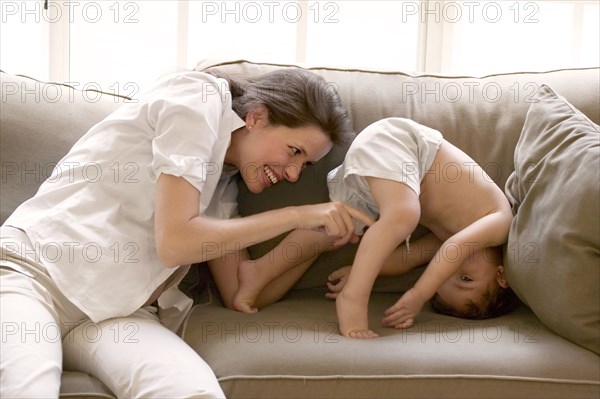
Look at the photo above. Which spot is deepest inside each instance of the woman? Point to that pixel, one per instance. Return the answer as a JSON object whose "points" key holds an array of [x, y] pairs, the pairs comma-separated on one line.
{"points": [[146, 190]]}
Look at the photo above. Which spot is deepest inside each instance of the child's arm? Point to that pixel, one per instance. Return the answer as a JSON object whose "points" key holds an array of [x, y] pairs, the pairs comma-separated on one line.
{"points": [[490, 230], [399, 213]]}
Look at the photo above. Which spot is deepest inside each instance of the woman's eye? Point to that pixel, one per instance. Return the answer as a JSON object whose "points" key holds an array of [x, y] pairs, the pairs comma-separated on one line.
{"points": [[295, 150], [465, 278], [307, 164]]}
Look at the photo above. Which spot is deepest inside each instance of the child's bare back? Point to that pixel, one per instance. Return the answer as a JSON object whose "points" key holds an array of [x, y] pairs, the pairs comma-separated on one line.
{"points": [[456, 192]]}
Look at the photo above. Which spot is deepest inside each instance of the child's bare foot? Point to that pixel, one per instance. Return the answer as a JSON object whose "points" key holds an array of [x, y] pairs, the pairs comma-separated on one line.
{"points": [[249, 287], [353, 316]]}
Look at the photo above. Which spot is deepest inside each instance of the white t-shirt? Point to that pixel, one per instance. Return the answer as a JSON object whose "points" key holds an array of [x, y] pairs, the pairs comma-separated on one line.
{"points": [[395, 149], [92, 221]]}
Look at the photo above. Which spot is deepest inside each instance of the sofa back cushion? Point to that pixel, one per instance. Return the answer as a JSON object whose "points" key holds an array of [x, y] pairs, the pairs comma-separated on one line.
{"points": [[482, 116], [39, 123]]}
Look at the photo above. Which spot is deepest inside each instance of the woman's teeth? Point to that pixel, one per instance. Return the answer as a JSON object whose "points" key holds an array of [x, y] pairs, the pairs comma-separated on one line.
{"points": [[270, 174]]}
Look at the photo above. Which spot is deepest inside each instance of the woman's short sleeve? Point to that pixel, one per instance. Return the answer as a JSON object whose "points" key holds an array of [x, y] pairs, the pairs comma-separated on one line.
{"points": [[186, 113]]}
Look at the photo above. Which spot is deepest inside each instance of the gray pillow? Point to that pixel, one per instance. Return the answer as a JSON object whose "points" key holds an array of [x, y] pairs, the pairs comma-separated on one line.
{"points": [[553, 253]]}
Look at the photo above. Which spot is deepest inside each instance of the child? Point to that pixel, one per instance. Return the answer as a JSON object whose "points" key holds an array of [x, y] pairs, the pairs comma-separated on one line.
{"points": [[408, 174], [405, 174]]}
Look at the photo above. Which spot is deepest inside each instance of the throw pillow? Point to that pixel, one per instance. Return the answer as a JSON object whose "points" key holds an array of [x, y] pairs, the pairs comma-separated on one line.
{"points": [[553, 252]]}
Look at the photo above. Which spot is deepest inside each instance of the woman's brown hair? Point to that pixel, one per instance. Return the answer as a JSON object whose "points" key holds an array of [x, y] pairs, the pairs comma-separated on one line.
{"points": [[295, 97]]}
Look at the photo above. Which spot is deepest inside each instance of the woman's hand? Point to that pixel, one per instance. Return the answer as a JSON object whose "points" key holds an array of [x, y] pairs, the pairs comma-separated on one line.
{"points": [[337, 281], [334, 218]]}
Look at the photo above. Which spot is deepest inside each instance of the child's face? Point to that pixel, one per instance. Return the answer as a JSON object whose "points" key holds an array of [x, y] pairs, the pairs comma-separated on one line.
{"points": [[477, 276]]}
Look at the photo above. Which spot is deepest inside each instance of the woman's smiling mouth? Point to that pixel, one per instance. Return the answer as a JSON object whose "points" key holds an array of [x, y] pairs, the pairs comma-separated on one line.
{"points": [[270, 174]]}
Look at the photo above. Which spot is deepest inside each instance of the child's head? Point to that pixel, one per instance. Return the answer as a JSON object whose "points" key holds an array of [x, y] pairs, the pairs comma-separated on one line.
{"points": [[478, 290]]}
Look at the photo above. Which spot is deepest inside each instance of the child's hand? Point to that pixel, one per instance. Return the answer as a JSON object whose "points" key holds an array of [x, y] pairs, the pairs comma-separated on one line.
{"points": [[337, 281], [403, 313]]}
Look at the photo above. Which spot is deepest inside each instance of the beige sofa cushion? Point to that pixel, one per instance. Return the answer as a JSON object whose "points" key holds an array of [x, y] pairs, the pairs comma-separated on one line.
{"points": [[39, 123], [292, 349], [553, 253]]}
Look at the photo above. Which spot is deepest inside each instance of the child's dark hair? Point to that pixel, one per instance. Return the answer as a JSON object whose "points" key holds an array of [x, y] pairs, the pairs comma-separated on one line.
{"points": [[495, 302], [294, 97]]}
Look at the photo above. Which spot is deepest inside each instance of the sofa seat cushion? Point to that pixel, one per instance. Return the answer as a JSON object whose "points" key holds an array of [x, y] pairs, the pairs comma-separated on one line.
{"points": [[293, 348], [75, 384]]}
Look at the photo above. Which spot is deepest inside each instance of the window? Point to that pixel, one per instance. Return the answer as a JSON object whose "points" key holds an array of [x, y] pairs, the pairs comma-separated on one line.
{"points": [[525, 36], [362, 34], [123, 46], [22, 46], [120, 46]]}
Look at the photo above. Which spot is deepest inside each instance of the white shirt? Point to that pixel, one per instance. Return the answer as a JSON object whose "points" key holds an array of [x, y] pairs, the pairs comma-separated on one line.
{"points": [[395, 149], [92, 221]]}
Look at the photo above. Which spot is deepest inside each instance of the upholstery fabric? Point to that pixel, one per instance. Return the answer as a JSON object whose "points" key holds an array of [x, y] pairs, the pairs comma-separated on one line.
{"points": [[293, 349], [40, 123], [553, 253]]}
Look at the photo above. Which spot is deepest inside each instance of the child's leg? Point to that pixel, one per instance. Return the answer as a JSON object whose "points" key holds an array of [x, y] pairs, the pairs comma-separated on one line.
{"points": [[279, 286], [403, 259], [225, 273], [267, 279], [136, 357]]}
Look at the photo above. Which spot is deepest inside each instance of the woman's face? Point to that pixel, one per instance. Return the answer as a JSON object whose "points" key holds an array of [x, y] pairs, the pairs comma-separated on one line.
{"points": [[271, 154]]}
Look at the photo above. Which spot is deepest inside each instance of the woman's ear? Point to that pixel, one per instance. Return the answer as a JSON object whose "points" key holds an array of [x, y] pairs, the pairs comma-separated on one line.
{"points": [[257, 116], [501, 277]]}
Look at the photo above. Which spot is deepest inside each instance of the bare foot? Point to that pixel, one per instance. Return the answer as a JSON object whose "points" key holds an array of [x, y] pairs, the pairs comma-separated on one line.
{"points": [[249, 288], [353, 317]]}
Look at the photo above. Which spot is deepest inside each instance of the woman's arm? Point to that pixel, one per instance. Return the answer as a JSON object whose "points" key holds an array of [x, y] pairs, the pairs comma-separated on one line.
{"points": [[185, 236]]}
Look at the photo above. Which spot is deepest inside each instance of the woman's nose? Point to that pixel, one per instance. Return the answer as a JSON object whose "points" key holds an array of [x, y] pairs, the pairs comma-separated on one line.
{"points": [[292, 172]]}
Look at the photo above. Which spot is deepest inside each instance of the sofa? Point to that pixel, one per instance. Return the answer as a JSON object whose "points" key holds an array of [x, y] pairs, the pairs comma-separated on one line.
{"points": [[549, 347]]}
